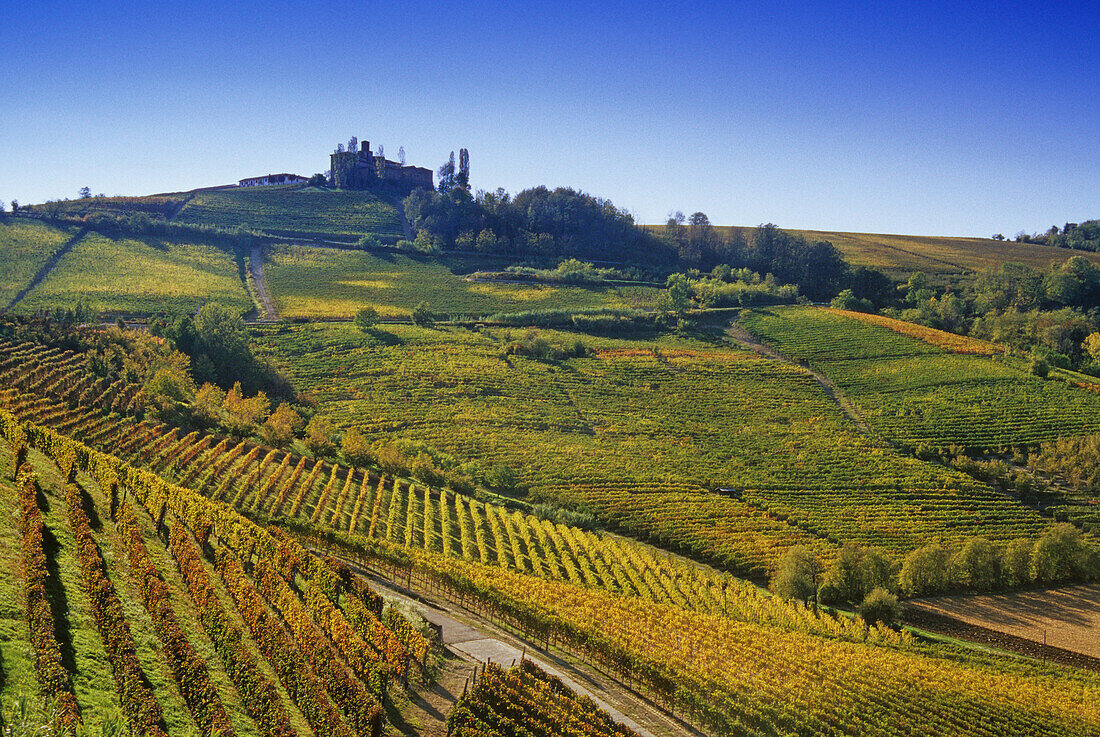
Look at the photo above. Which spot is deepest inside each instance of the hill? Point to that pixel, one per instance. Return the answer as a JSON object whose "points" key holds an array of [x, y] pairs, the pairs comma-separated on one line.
{"points": [[294, 209], [949, 257], [734, 663]]}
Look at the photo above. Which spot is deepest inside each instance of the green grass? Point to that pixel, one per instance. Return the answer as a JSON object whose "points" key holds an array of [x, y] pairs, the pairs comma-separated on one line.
{"points": [[641, 431], [295, 207], [322, 282], [146, 276], [24, 248], [912, 392]]}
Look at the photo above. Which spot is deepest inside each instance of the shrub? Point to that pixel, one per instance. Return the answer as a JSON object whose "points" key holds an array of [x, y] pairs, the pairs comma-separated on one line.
{"points": [[1059, 555], [880, 606], [319, 434], [422, 316]]}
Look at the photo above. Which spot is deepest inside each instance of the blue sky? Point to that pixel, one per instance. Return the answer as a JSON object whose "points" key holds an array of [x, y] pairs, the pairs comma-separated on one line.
{"points": [[927, 118]]}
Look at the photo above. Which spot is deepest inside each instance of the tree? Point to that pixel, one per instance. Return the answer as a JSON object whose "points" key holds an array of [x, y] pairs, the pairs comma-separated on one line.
{"points": [[926, 570], [15, 205], [356, 449], [353, 144], [1092, 346], [319, 436], [447, 176], [318, 180], [980, 564], [280, 426], [366, 319], [168, 387], [1059, 555], [401, 155], [222, 337], [422, 316], [339, 148], [243, 415], [678, 293], [846, 572], [206, 408], [880, 606], [797, 575], [85, 193], [1017, 562], [462, 178]]}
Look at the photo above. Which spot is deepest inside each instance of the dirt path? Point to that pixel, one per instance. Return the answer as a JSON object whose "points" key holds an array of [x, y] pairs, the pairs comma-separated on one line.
{"points": [[48, 267], [745, 339], [270, 312], [474, 641]]}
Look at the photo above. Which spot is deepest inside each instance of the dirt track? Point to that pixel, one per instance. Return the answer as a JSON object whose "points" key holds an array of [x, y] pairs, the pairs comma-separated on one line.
{"points": [[1066, 618]]}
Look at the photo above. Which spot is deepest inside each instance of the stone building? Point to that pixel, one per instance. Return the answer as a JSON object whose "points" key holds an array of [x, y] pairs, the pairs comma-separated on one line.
{"points": [[363, 170], [270, 179]]}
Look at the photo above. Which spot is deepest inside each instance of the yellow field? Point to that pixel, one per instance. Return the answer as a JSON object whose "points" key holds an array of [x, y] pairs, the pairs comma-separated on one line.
{"points": [[938, 338]]}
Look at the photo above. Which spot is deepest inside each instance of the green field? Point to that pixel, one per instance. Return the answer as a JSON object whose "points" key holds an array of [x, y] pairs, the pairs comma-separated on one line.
{"points": [[641, 431], [295, 207], [25, 246], [325, 282], [146, 276], [912, 392]]}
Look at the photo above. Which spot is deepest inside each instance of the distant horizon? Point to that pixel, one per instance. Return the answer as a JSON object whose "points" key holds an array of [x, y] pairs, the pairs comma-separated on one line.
{"points": [[920, 119]]}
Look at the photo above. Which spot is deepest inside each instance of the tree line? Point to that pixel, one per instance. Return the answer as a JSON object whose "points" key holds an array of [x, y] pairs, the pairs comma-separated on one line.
{"points": [[871, 579]]}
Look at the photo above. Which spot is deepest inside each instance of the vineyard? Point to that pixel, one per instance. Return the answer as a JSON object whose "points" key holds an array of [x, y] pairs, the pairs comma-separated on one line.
{"points": [[524, 701], [189, 603], [319, 282], [25, 246], [643, 431], [294, 207], [146, 276], [337, 658], [919, 388]]}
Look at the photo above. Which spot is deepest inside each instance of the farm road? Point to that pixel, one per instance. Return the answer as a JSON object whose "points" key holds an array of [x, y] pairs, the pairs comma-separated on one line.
{"points": [[745, 339], [477, 641], [270, 312]]}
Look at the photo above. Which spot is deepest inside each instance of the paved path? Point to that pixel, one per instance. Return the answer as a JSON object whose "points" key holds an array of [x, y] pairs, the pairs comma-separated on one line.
{"points": [[477, 643]]}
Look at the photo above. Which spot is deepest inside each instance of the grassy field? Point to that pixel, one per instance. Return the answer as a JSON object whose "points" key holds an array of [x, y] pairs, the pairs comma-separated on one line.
{"points": [[295, 207], [642, 431], [25, 246], [324, 282], [146, 276], [912, 391]]}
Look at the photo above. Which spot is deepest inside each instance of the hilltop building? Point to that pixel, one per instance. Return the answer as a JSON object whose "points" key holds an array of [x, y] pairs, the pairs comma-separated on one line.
{"points": [[269, 179], [363, 170]]}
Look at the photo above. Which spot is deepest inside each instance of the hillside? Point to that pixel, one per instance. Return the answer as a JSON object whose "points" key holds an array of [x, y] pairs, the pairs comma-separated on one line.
{"points": [[295, 208], [733, 662], [950, 257]]}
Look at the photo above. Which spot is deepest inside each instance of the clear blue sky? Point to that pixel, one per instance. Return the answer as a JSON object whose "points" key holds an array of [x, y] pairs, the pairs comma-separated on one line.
{"points": [[922, 117]]}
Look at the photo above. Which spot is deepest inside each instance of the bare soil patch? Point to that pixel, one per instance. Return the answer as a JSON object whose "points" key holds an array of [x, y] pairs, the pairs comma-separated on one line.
{"points": [[1066, 619]]}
